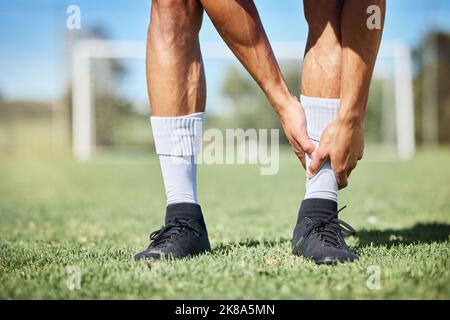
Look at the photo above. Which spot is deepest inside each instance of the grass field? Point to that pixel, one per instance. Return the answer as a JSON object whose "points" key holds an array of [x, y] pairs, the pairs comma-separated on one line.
{"points": [[95, 216]]}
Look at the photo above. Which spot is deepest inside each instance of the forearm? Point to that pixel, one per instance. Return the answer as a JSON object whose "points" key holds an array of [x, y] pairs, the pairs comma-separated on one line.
{"points": [[360, 49], [239, 25]]}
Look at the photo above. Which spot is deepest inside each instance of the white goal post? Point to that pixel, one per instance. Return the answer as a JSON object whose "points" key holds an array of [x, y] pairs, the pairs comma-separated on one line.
{"points": [[83, 126]]}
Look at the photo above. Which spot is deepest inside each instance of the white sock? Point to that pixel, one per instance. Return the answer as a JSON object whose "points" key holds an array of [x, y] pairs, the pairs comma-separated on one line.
{"points": [[319, 113], [178, 142]]}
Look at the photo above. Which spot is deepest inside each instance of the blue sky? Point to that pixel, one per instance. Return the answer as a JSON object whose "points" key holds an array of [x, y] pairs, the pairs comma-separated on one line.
{"points": [[32, 56]]}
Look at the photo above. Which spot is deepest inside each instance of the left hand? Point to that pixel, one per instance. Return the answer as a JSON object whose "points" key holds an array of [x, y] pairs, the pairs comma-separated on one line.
{"points": [[343, 143], [292, 118]]}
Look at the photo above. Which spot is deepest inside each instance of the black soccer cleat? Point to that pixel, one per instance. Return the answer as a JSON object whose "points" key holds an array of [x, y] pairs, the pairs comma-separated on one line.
{"points": [[183, 235], [318, 234]]}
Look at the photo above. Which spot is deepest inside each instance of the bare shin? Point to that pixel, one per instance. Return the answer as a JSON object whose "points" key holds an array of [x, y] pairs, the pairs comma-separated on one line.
{"points": [[175, 74], [321, 71]]}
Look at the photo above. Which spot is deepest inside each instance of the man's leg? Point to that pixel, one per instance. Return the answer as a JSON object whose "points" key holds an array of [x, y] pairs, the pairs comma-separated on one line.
{"points": [[317, 234], [175, 74], [177, 92], [342, 143], [321, 82]]}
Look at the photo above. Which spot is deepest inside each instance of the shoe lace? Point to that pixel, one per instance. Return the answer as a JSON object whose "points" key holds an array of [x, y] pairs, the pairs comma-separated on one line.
{"points": [[330, 228], [173, 229]]}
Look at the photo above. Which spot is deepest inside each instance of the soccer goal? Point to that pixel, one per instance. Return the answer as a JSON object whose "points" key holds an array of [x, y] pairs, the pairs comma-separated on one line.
{"points": [[393, 72]]}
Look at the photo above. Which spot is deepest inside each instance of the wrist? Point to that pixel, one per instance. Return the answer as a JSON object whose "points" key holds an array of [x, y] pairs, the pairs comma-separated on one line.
{"points": [[279, 96], [283, 105], [351, 117]]}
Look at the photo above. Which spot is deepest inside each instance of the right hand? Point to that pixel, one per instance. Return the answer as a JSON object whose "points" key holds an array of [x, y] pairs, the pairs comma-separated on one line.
{"points": [[342, 142]]}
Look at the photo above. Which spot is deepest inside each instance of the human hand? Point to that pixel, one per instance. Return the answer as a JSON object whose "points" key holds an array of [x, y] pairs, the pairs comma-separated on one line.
{"points": [[343, 143]]}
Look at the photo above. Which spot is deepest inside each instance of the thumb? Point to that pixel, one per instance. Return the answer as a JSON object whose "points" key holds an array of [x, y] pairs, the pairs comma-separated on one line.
{"points": [[317, 162]]}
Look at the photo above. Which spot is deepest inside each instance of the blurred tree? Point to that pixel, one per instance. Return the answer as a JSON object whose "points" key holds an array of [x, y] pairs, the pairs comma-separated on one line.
{"points": [[252, 110], [250, 106], [430, 72], [373, 120]]}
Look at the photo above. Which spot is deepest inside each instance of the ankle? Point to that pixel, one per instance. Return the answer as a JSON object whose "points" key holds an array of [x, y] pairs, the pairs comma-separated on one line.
{"points": [[185, 210]]}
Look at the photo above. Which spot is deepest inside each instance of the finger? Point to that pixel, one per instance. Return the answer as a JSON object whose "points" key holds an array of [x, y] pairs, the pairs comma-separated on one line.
{"points": [[341, 179], [307, 144], [317, 162], [298, 151], [349, 170], [301, 156]]}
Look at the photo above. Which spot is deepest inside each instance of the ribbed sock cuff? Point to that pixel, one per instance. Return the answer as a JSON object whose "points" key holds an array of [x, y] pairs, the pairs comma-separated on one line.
{"points": [[319, 113], [178, 136]]}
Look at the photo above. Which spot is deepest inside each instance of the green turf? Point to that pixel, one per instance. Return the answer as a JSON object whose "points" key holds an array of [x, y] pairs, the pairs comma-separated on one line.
{"points": [[97, 215]]}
